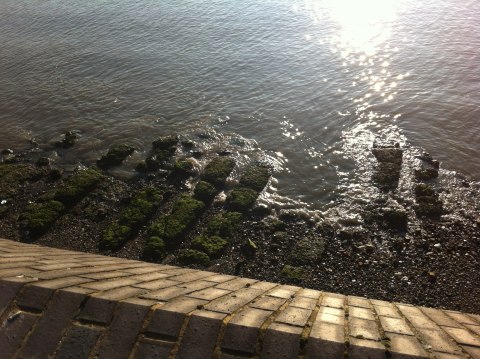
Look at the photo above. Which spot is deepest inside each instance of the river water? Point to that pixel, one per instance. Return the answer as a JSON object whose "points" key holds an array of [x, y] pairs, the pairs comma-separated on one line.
{"points": [[305, 85]]}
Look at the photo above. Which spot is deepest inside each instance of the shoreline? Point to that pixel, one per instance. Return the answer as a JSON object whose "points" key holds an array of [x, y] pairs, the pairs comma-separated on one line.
{"points": [[419, 249]]}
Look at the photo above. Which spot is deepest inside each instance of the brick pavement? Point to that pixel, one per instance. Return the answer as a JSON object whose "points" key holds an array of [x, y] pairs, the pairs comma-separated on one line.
{"points": [[63, 304]]}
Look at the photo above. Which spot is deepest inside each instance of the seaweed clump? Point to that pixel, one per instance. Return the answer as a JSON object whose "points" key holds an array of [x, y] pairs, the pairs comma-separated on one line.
{"points": [[115, 156], [218, 170]]}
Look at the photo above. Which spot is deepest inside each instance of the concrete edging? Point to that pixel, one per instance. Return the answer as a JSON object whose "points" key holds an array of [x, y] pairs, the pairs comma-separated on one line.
{"points": [[65, 304]]}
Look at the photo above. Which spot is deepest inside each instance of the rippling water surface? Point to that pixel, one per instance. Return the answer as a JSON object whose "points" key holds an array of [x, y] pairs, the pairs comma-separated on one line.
{"points": [[307, 85]]}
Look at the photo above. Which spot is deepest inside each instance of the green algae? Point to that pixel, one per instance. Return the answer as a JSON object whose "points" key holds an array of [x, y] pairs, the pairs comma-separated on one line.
{"points": [[115, 156], [41, 216], [224, 224], [155, 249]]}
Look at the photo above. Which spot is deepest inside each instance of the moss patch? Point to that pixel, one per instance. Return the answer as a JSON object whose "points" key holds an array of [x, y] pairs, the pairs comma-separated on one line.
{"points": [[242, 198], [184, 167], [256, 177], [211, 245], [217, 171], [155, 249], [115, 156], [307, 251], [165, 143], [192, 256], [172, 226], [295, 274]]}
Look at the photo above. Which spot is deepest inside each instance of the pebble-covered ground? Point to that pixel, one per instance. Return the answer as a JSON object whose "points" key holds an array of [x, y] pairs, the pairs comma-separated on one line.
{"points": [[416, 241]]}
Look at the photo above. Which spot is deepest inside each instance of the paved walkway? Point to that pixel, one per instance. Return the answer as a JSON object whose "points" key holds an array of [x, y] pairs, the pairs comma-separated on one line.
{"points": [[64, 304]]}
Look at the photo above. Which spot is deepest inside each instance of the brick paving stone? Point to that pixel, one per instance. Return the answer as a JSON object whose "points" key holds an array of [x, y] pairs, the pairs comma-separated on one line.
{"points": [[380, 303], [405, 346], [149, 269], [268, 303], [177, 271], [140, 301], [18, 272], [438, 340], [461, 317], [190, 277], [332, 301], [281, 341], [99, 307], [476, 317], [105, 275], [330, 318], [363, 329], [15, 264], [294, 316], [358, 302], [395, 325], [168, 319], [473, 352], [148, 277], [219, 278], [332, 311], [8, 292], [61, 282], [209, 293], [304, 302], [33, 297], [463, 336], [440, 317], [166, 294], [241, 333], [361, 348], [196, 285], [233, 301], [109, 284], [362, 313], [282, 292], [152, 351], [309, 293], [416, 317], [326, 337], [447, 356], [156, 284], [12, 332], [473, 328], [55, 320], [55, 266], [78, 342], [122, 333], [200, 335], [236, 283], [263, 286], [386, 311]]}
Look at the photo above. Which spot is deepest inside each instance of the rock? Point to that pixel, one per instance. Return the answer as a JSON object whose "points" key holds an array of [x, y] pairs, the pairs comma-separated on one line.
{"points": [[185, 167], [115, 156], [68, 141], [43, 161], [294, 274], [165, 143], [7, 151], [396, 218], [141, 167], [188, 143]]}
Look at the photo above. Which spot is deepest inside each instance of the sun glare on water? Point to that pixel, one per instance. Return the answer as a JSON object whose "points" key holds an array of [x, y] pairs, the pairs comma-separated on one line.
{"points": [[363, 24]]}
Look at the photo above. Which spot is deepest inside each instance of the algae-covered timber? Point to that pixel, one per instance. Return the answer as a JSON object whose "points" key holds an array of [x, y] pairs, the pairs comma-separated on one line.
{"points": [[256, 177], [211, 245], [242, 198], [218, 170], [140, 208], [192, 256], [170, 227]]}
